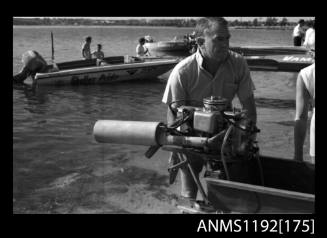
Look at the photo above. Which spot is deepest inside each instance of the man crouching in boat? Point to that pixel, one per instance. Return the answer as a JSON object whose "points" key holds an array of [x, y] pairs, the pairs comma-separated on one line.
{"points": [[33, 63], [213, 70]]}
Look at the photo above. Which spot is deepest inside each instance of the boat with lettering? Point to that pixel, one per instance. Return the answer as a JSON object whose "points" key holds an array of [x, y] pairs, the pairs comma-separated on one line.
{"points": [[112, 69], [118, 68], [284, 63]]}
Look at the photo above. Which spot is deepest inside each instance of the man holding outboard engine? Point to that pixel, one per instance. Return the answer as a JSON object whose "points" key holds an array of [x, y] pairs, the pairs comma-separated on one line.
{"points": [[213, 74]]}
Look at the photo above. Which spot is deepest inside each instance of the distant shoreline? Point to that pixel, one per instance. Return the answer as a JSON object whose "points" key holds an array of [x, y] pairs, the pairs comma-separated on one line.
{"points": [[147, 26], [263, 27]]}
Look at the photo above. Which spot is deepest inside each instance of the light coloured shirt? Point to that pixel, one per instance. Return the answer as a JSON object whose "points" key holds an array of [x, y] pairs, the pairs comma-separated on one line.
{"points": [[98, 54], [309, 41], [190, 81], [140, 50], [298, 31], [308, 76]]}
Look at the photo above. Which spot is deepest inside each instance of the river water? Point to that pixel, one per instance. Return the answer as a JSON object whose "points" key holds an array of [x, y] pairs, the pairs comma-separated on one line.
{"points": [[57, 165]]}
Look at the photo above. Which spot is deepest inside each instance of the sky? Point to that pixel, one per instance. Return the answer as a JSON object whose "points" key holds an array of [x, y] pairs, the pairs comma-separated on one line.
{"points": [[260, 18]]}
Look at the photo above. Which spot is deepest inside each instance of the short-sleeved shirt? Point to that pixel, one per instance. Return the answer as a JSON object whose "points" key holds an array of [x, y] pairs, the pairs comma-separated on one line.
{"points": [[190, 81], [309, 41], [140, 50], [298, 31], [98, 54], [308, 76]]}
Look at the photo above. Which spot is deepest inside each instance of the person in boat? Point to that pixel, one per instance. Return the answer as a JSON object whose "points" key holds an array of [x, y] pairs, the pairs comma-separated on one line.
{"points": [[141, 50], [309, 34], [213, 70], [99, 55], [33, 63], [86, 48], [298, 33], [305, 95]]}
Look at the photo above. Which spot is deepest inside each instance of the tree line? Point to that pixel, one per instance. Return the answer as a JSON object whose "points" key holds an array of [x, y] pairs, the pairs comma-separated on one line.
{"points": [[268, 22]]}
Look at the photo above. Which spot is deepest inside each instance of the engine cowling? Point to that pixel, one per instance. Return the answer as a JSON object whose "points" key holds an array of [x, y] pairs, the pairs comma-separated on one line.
{"points": [[33, 63]]}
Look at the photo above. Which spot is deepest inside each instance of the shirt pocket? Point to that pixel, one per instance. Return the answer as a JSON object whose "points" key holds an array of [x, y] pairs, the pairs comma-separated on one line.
{"points": [[229, 90]]}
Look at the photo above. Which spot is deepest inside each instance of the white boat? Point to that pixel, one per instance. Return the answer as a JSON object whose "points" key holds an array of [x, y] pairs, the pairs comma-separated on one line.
{"points": [[115, 70]]}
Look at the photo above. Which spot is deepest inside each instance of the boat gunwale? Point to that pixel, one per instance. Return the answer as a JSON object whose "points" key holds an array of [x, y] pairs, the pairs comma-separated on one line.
{"points": [[262, 189], [104, 68]]}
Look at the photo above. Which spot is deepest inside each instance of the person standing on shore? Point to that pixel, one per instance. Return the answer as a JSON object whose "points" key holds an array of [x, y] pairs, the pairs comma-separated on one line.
{"points": [[86, 48], [305, 93], [213, 70], [298, 33], [309, 34]]}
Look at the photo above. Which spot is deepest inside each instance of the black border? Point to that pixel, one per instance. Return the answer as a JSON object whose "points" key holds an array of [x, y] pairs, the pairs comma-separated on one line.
{"points": [[137, 223]]}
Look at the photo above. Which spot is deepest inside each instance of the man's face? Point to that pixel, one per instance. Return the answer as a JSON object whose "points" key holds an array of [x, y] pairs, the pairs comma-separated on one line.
{"points": [[216, 42]]}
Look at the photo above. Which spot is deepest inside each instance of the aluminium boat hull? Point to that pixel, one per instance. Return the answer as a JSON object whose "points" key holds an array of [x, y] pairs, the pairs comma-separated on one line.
{"points": [[257, 185], [288, 187]]}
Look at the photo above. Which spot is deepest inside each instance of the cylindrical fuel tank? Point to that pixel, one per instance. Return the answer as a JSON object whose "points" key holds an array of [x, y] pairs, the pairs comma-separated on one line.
{"points": [[126, 132]]}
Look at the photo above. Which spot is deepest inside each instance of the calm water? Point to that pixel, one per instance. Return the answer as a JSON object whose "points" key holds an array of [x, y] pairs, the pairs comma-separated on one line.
{"points": [[57, 165]]}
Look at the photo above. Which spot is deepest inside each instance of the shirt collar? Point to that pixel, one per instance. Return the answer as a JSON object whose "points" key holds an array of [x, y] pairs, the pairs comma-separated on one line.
{"points": [[199, 58]]}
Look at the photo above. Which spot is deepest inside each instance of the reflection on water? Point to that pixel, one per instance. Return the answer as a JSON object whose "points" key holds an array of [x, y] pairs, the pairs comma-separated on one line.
{"points": [[275, 103]]}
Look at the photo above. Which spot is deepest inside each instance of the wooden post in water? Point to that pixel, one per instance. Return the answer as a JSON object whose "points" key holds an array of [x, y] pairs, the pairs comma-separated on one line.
{"points": [[52, 53]]}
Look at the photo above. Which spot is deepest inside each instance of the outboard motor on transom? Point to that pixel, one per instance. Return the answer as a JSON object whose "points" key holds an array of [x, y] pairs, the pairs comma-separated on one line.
{"points": [[33, 63]]}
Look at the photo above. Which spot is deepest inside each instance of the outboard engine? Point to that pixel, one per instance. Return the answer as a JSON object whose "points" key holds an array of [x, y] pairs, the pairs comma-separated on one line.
{"points": [[33, 63], [210, 129], [213, 132]]}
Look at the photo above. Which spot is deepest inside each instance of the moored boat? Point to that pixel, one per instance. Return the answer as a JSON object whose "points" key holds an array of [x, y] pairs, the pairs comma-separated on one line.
{"points": [[182, 48], [269, 50], [114, 70]]}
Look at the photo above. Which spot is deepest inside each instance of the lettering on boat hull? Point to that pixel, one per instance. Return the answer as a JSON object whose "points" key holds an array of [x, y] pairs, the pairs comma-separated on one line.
{"points": [[132, 71], [86, 79], [297, 59], [148, 69], [107, 77]]}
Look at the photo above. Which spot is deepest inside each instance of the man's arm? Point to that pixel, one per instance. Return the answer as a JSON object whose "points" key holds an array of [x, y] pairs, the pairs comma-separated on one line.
{"points": [[245, 91], [301, 117], [249, 105], [170, 117]]}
